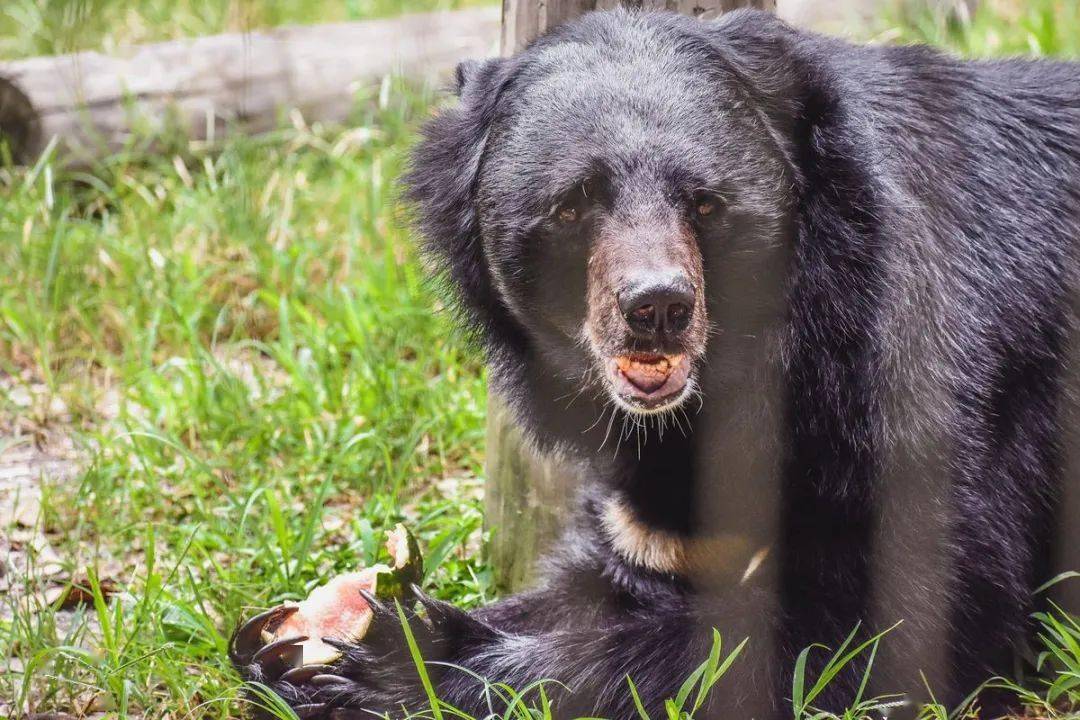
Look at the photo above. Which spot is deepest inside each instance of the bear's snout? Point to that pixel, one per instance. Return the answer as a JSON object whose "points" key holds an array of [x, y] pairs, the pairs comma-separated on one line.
{"points": [[657, 307]]}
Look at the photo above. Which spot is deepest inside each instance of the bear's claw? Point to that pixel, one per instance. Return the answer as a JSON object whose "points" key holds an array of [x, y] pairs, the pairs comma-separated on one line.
{"points": [[311, 710], [287, 650], [300, 675], [247, 641]]}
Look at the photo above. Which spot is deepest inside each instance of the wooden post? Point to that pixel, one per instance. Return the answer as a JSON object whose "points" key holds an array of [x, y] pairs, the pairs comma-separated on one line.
{"points": [[525, 501], [527, 497]]}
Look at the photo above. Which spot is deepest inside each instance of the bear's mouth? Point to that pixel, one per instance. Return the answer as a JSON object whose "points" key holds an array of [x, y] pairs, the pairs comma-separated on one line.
{"points": [[648, 383]]}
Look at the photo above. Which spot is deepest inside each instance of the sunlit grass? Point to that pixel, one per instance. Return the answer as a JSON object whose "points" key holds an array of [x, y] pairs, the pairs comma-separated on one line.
{"points": [[995, 28], [261, 381]]}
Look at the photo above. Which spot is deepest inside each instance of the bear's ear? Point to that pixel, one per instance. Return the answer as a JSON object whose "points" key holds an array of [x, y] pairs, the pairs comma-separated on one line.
{"points": [[758, 49], [799, 84], [441, 186], [469, 70]]}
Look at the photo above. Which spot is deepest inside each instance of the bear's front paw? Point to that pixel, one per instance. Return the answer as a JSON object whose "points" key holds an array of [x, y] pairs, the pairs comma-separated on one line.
{"points": [[376, 673]]}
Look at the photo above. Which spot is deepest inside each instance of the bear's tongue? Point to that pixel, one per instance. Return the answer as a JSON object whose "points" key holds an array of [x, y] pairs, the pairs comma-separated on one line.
{"points": [[645, 371]]}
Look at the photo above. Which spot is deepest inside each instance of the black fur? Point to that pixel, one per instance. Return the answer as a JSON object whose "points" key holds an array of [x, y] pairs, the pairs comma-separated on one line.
{"points": [[891, 301]]}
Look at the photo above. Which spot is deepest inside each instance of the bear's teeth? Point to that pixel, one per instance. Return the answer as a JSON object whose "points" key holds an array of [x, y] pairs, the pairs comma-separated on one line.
{"points": [[662, 365]]}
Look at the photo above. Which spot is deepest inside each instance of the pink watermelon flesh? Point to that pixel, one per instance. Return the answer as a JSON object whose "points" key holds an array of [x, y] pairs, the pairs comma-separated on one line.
{"points": [[335, 610]]}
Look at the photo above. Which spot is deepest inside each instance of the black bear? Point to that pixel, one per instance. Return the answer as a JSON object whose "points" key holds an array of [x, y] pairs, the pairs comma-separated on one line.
{"points": [[804, 312]]}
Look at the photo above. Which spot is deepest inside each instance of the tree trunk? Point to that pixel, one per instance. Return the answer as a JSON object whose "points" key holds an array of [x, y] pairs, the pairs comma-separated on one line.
{"points": [[527, 497]]}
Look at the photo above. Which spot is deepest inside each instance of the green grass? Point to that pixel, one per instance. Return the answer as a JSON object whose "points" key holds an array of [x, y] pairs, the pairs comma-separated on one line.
{"points": [[259, 381], [997, 27]]}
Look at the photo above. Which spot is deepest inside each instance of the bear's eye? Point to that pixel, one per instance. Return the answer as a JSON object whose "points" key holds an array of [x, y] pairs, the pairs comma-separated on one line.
{"points": [[573, 205], [706, 204]]}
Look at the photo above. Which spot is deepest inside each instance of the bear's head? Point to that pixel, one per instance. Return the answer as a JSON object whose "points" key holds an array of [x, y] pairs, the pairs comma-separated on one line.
{"points": [[618, 194]]}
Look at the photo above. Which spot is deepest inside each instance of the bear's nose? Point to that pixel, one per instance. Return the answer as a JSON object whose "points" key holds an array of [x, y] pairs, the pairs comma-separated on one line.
{"points": [[653, 308]]}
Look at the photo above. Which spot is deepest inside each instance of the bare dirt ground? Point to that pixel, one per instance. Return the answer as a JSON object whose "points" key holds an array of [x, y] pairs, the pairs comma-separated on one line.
{"points": [[36, 450], [39, 454]]}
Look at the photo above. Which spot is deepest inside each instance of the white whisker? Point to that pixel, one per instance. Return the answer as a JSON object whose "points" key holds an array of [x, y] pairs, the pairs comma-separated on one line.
{"points": [[611, 422]]}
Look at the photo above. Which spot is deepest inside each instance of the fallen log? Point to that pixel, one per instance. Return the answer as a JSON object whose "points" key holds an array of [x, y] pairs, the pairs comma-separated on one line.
{"points": [[94, 103]]}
